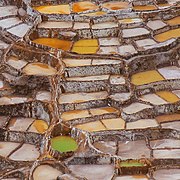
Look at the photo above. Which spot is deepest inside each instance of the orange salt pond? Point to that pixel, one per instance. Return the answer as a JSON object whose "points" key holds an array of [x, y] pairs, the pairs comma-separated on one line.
{"points": [[163, 6], [145, 8], [39, 126], [115, 5], [59, 9], [174, 21], [83, 6], [146, 77], [174, 33], [39, 69], [54, 43], [168, 96], [85, 46]]}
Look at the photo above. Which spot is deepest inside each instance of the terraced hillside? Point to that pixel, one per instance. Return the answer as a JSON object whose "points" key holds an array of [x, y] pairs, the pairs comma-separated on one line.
{"points": [[90, 90]]}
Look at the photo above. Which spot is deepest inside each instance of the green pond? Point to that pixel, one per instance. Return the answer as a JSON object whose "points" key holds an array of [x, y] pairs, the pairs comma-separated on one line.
{"points": [[131, 164], [64, 144]]}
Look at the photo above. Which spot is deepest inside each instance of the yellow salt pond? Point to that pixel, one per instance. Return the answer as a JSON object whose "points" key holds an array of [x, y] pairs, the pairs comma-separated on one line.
{"points": [[115, 5], [174, 33], [83, 6], [54, 43], [168, 96], [98, 13], [103, 125], [145, 8], [130, 20], [86, 43], [146, 77], [92, 126], [174, 21], [103, 110], [59, 9], [39, 125], [114, 124], [85, 46], [39, 69]]}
